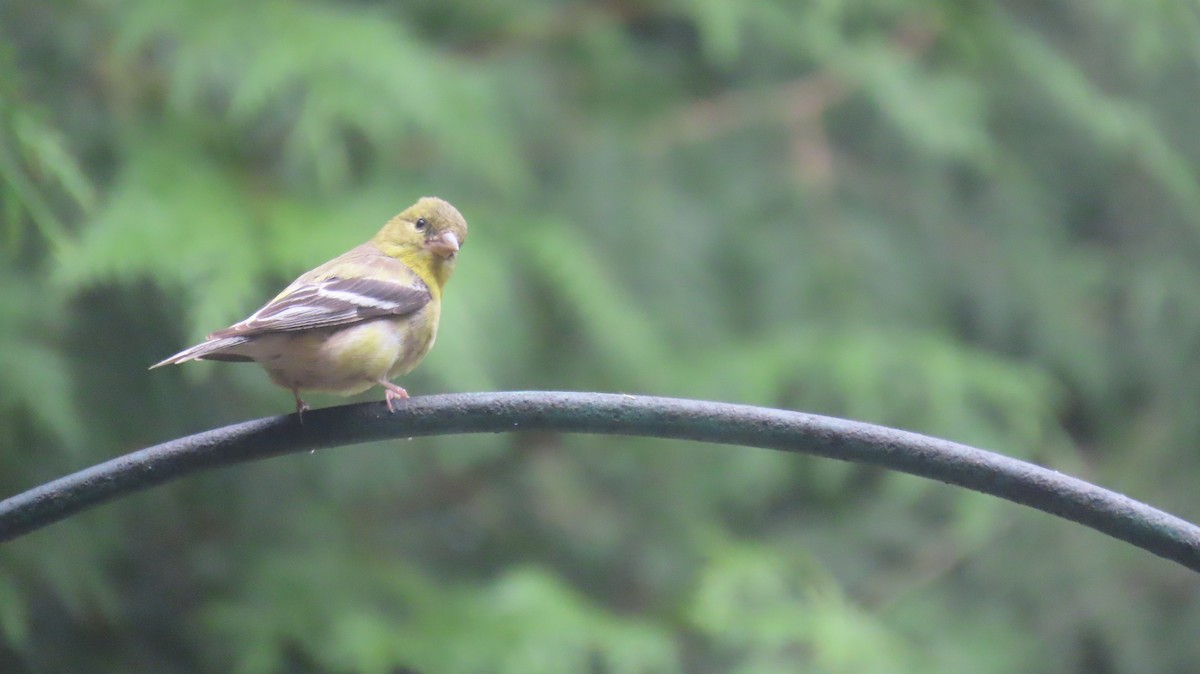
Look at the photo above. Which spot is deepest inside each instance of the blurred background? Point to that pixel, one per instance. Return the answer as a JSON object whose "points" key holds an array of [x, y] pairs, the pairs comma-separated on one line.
{"points": [[977, 220]]}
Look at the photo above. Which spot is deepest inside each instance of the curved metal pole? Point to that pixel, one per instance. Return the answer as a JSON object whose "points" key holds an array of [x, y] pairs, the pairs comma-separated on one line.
{"points": [[987, 472]]}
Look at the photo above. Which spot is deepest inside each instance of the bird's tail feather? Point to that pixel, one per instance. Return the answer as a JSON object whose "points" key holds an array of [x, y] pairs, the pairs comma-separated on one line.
{"points": [[213, 349]]}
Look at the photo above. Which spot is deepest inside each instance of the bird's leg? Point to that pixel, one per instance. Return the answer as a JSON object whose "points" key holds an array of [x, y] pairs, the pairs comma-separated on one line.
{"points": [[301, 406], [393, 393]]}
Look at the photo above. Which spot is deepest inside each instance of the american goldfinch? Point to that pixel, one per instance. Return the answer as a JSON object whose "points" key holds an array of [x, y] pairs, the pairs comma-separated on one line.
{"points": [[357, 321]]}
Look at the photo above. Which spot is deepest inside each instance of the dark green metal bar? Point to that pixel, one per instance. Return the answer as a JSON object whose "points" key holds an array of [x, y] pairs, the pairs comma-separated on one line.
{"points": [[1116, 515]]}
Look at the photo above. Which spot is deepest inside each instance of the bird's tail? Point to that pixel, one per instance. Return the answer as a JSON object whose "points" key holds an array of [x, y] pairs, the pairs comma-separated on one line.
{"points": [[213, 349]]}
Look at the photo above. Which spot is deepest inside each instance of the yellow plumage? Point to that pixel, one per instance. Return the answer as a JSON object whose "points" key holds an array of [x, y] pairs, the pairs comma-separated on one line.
{"points": [[357, 321]]}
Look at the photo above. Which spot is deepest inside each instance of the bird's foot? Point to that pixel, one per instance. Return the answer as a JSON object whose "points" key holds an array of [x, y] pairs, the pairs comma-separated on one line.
{"points": [[301, 406], [393, 393]]}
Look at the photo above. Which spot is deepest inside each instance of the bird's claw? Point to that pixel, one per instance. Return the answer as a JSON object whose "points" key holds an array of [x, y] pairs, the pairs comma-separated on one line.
{"points": [[392, 393], [301, 406]]}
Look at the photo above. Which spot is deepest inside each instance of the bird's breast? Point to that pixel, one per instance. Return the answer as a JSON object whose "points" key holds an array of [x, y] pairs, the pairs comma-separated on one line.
{"points": [[420, 334]]}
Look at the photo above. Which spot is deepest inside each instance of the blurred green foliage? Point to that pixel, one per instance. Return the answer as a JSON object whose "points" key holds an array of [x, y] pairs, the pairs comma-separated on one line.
{"points": [[979, 220]]}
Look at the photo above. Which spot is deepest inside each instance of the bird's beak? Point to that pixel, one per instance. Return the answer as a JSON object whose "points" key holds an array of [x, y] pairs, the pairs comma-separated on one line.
{"points": [[445, 245]]}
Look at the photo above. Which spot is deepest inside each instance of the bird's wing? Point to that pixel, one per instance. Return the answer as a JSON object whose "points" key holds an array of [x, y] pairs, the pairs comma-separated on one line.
{"points": [[330, 302], [359, 285]]}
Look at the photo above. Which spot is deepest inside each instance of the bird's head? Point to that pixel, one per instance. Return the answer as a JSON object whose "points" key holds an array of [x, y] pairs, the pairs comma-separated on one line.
{"points": [[427, 237]]}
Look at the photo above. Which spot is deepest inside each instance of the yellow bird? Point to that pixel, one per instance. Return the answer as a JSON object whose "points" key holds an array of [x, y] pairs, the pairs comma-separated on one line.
{"points": [[357, 321]]}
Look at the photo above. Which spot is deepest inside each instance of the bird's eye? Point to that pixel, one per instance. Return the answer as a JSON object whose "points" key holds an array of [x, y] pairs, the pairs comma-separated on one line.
{"points": [[421, 223]]}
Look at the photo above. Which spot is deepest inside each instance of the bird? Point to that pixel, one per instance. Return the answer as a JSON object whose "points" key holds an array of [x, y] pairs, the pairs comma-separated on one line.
{"points": [[360, 320]]}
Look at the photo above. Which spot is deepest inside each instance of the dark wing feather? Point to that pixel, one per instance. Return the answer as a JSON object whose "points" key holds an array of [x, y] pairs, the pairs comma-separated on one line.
{"points": [[332, 302]]}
